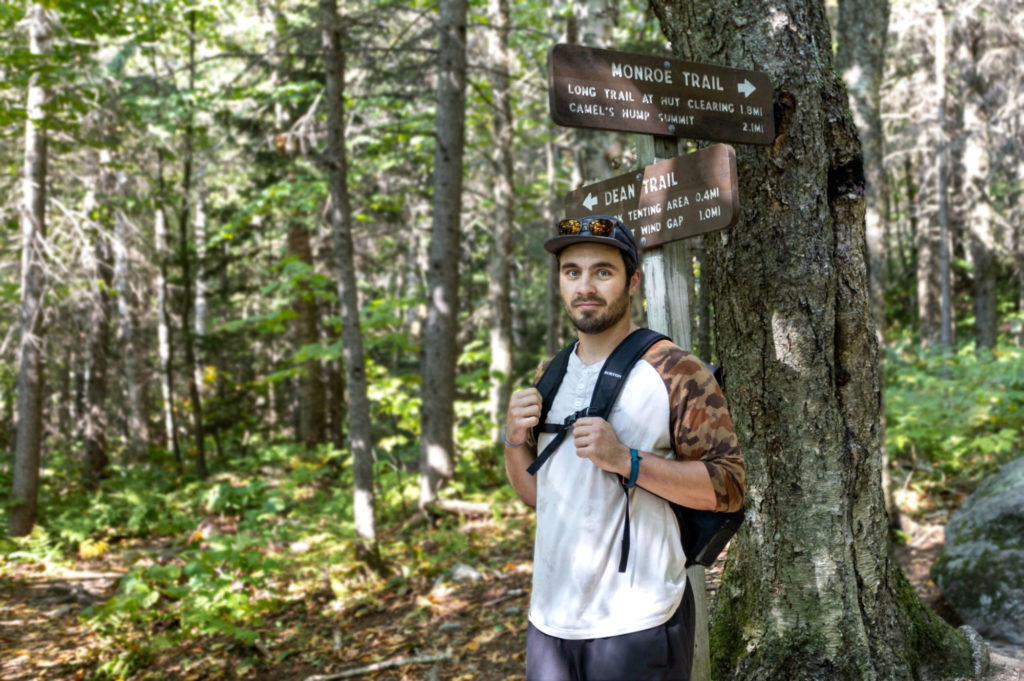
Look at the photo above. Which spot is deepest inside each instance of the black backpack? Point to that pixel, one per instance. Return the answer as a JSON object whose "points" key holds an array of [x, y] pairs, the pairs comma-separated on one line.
{"points": [[703, 534]]}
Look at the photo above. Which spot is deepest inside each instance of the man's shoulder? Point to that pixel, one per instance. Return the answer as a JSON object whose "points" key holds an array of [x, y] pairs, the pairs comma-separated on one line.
{"points": [[668, 359]]}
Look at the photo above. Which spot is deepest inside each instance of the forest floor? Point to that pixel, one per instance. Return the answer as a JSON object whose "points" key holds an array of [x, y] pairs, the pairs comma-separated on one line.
{"points": [[429, 629]]}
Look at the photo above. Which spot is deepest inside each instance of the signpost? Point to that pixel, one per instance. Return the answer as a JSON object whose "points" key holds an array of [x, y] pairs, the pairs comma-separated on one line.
{"points": [[608, 90], [678, 198], [669, 200]]}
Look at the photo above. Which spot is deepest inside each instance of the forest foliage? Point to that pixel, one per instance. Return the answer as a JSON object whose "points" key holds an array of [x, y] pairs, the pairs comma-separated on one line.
{"points": [[212, 113]]}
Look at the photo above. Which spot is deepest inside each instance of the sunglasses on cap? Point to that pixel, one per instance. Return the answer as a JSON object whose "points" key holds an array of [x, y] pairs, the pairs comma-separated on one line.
{"points": [[595, 225]]}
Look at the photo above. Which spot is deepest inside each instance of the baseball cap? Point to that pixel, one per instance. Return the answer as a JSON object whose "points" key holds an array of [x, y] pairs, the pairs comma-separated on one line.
{"points": [[601, 229]]}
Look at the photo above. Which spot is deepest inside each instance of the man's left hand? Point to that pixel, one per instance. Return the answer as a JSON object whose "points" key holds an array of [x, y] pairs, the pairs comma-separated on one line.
{"points": [[595, 440]]}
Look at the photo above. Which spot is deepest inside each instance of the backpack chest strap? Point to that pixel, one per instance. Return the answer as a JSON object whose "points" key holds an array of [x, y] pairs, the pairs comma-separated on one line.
{"points": [[560, 431]]}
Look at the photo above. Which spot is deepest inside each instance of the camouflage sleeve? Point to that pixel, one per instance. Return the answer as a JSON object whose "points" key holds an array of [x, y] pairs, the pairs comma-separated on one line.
{"points": [[700, 424]]}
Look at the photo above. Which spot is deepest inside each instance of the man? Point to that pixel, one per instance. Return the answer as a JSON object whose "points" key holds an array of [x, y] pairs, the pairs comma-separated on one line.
{"points": [[587, 620]]}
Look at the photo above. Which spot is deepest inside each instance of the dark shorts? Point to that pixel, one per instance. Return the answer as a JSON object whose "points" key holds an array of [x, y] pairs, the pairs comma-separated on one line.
{"points": [[662, 653]]}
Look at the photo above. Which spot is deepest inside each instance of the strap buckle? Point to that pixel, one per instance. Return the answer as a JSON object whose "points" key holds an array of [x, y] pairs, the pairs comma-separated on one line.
{"points": [[572, 418]]}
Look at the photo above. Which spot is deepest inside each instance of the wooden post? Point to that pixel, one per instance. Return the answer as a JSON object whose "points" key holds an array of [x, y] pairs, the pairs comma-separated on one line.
{"points": [[668, 276]]}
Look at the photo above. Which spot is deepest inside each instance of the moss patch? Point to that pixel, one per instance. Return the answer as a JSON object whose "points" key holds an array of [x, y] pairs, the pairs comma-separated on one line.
{"points": [[932, 647]]}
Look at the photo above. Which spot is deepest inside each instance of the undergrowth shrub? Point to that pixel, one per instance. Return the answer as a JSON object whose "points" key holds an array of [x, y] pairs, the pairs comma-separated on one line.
{"points": [[958, 415]]}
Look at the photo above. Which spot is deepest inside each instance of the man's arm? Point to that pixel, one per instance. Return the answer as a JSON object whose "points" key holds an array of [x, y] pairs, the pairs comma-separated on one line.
{"points": [[686, 483], [522, 415], [708, 472]]}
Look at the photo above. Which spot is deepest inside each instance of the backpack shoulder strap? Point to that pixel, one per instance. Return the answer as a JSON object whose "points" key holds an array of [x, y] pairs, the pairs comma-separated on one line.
{"points": [[549, 381], [617, 367]]}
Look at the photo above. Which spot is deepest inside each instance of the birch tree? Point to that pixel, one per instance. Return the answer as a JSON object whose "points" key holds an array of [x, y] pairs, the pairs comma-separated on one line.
{"points": [[28, 440]]}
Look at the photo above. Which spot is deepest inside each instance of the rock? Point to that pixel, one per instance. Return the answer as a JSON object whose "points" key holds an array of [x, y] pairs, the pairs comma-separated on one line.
{"points": [[980, 571], [465, 573]]}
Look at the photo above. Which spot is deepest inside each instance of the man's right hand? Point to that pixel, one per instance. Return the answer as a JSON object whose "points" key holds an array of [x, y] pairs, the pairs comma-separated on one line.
{"points": [[523, 415]]}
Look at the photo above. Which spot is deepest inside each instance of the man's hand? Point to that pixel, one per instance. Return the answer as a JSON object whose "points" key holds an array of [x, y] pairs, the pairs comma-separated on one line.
{"points": [[522, 415], [595, 440]]}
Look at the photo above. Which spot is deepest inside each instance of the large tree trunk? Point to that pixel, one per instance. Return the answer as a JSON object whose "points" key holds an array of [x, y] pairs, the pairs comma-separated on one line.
{"points": [[340, 216], [860, 59], [504, 212], [811, 590], [440, 351], [28, 441]]}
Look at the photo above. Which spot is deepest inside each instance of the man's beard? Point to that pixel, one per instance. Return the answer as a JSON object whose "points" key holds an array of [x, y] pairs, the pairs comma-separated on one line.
{"points": [[600, 320]]}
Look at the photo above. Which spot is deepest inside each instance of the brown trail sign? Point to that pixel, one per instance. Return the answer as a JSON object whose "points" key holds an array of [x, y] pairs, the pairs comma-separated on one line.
{"points": [[679, 198], [608, 90]]}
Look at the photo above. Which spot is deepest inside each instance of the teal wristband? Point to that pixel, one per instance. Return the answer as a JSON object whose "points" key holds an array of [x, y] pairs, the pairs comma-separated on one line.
{"points": [[634, 467]]}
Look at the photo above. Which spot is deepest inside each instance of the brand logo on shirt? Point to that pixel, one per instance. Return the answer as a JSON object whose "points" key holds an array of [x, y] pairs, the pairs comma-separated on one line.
{"points": [[613, 374]]}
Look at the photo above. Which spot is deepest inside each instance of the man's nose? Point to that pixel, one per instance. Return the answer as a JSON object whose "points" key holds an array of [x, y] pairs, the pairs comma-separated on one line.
{"points": [[587, 283]]}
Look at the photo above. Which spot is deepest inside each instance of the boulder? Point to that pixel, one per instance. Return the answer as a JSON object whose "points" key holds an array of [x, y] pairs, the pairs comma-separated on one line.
{"points": [[980, 571]]}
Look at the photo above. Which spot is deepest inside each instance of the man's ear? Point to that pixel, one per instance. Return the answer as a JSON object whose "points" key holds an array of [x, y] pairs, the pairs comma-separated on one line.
{"points": [[634, 283]]}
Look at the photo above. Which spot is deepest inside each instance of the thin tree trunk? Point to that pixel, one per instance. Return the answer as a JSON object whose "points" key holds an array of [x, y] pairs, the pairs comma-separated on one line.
{"points": [[137, 419], [201, 316], [193, 367], [1019, 262], [440, 351], [340, 216], [97, 313], [811, 589], [942, 171], [504, 213], [164, 346], [553, 299], [31, 352], [976, 165], [312, 414]]}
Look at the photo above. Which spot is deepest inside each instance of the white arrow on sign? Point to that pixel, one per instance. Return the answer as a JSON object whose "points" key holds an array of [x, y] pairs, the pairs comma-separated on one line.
{"points": [[746, 87], [590, 201]]}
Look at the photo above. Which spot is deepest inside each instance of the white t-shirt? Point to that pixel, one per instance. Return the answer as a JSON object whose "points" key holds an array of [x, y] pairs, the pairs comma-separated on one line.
{"points": [[578, 592]]}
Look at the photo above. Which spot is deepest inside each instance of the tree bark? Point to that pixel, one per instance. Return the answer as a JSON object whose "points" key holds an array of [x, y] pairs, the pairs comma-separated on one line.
{"points": [[811, 589], [185, 261], [942, 176], [440, 351], [97, 314], [860, 59], [305, 327], [340, 216], [31, 351], [164, 345], [137, 425], [976, 169], [503, 221], [553, 297]]}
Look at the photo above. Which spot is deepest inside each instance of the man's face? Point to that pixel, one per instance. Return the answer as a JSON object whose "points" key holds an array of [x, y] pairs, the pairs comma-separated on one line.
{"points": [[592, 279]]}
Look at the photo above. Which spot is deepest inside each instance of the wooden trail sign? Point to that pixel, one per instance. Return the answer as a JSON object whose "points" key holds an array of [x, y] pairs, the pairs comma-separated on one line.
{"points": [[678, 198], [594, 88]]}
